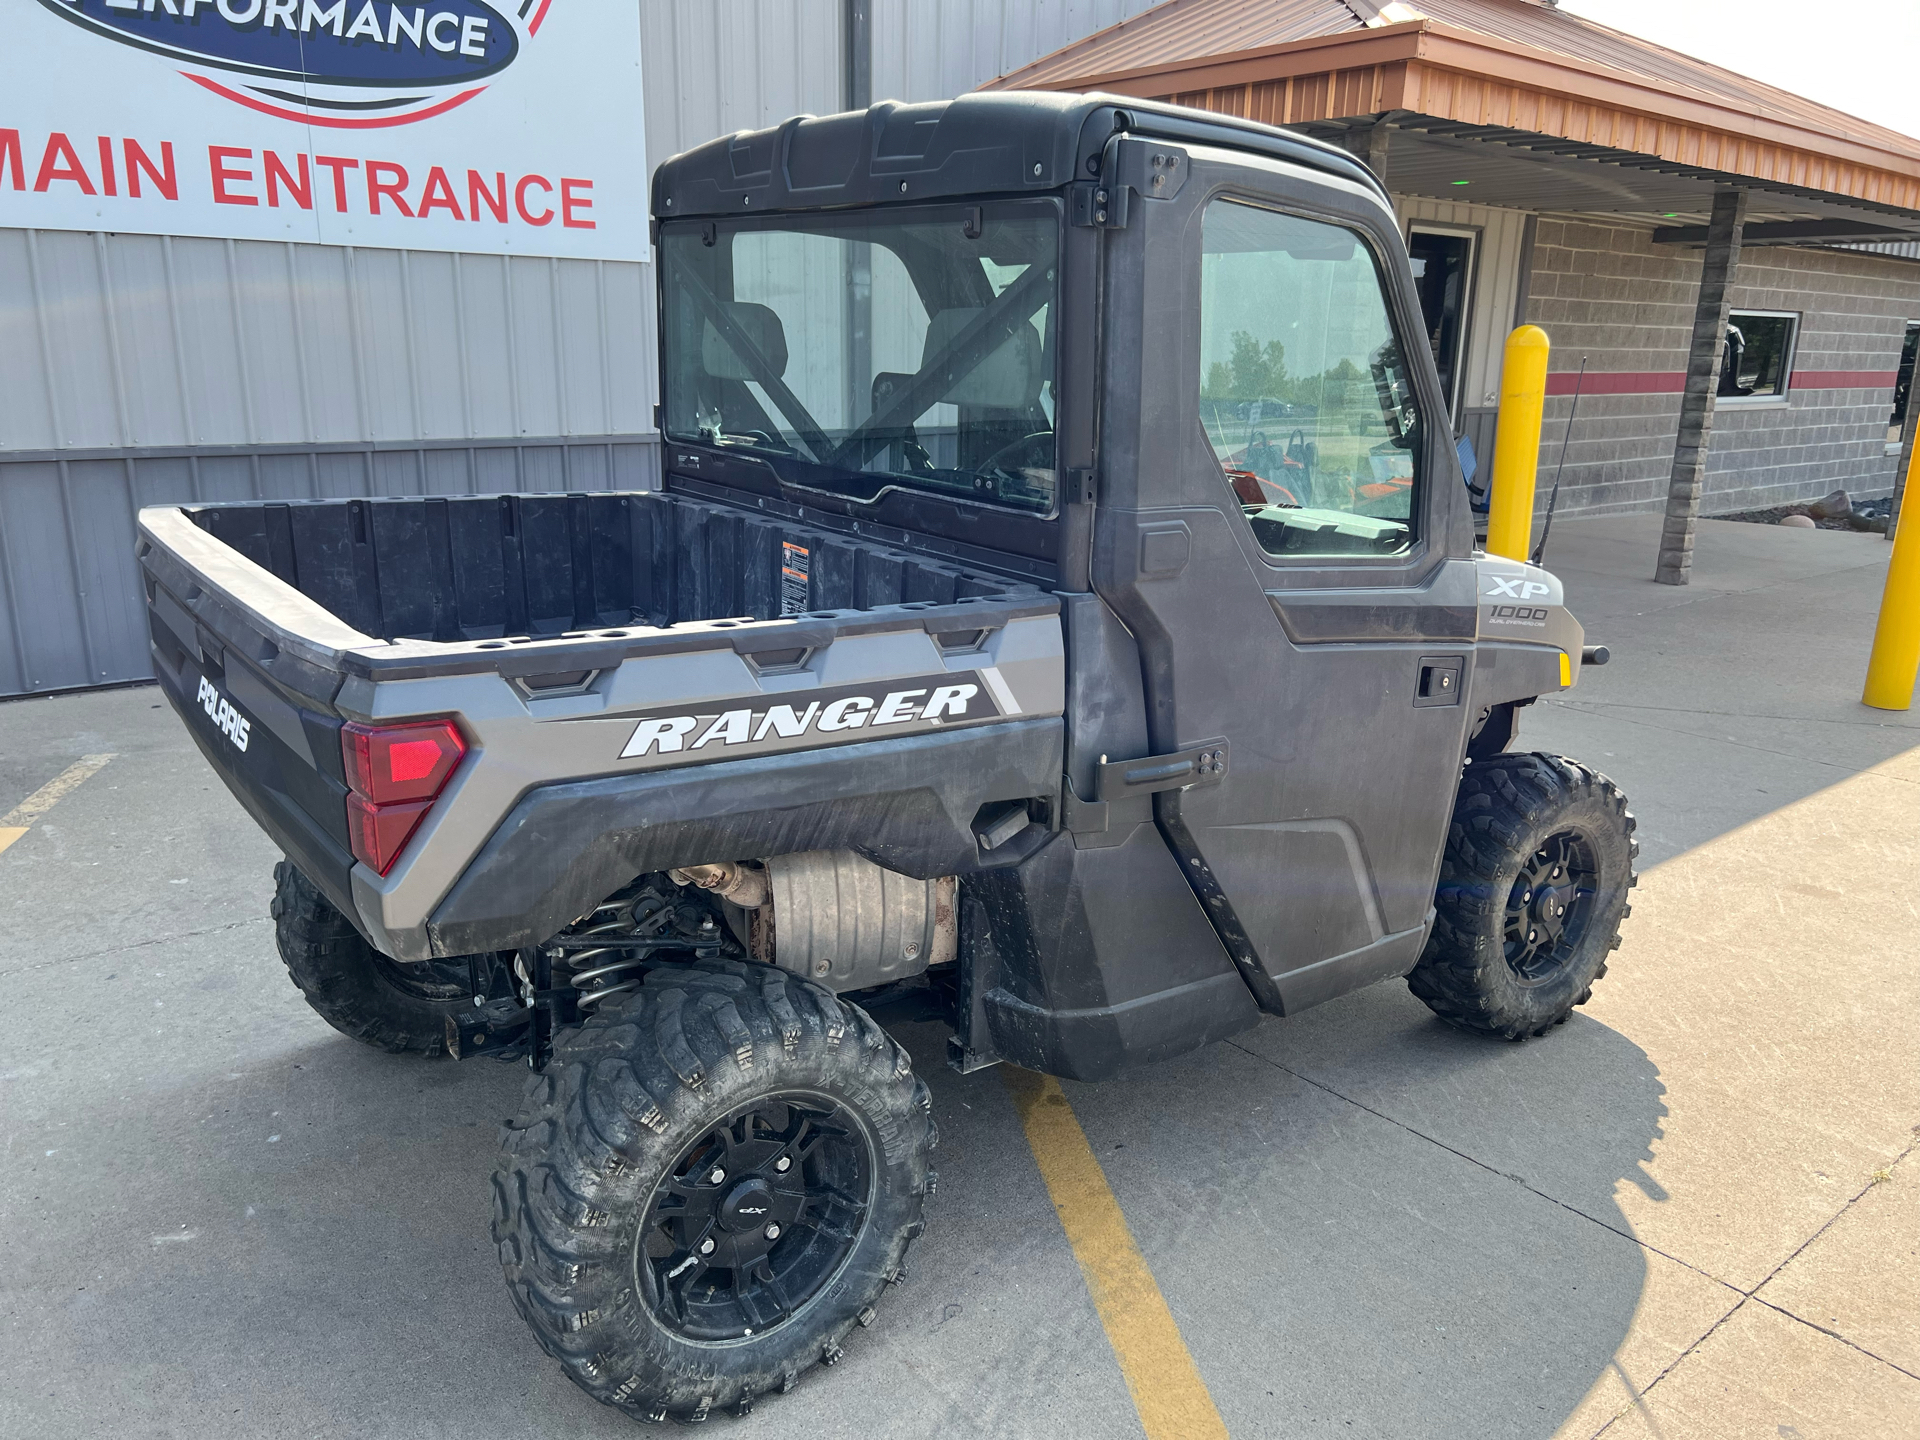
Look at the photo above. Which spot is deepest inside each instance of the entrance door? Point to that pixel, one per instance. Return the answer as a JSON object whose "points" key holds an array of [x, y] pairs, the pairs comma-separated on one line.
{"points": [[1442, 263], [1297, 579]]}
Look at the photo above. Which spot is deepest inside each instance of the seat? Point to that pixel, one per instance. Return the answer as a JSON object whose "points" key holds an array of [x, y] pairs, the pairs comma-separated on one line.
{"points": [[1007, 379], [763, 330]]}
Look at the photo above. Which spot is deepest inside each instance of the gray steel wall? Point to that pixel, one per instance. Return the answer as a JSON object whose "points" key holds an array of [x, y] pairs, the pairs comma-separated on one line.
{"points": [[935, 49], [141, 369], [142, 340], [1608, 292], [71, 612], [711, 67]]}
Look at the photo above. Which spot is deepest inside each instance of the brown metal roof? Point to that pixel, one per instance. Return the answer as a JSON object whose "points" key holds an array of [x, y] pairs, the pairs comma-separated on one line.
{"points": [[1515, 64]]}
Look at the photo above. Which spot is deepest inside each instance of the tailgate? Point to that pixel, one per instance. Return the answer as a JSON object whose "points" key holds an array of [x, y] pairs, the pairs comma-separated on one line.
{"points": [[256, 697]]}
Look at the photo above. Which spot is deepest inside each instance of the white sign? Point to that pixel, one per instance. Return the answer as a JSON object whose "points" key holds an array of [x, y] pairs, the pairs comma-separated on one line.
{"points": [[476, 125]]}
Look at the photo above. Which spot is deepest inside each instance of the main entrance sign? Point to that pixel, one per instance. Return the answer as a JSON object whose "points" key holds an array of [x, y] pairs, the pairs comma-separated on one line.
{"points": [[509, 125], [301, 42]]}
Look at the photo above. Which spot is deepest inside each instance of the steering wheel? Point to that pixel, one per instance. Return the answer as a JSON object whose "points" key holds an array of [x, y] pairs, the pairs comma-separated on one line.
{"points": [[1000, 458]]}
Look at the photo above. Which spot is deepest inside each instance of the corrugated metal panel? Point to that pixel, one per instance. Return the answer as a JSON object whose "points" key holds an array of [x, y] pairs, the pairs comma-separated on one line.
{"points": [[936, 49], [71, 611], [142, 340], [1899, 249], [1495, 284], [1186, 30], [711, 67]]}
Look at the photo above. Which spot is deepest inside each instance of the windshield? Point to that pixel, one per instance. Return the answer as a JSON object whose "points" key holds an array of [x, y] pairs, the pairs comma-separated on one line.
{"points": [[858, 352]]}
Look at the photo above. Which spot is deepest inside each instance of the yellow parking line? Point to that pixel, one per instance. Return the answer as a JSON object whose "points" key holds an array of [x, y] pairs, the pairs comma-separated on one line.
{"points": [[1167, 1390], [17, 821]]}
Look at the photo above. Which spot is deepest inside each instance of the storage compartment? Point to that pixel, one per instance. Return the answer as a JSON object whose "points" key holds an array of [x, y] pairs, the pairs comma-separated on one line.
{"points": [[461, 568]]}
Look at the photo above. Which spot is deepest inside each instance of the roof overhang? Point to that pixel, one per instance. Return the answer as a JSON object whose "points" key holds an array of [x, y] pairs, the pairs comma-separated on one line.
{"points": [[1454, 81]]}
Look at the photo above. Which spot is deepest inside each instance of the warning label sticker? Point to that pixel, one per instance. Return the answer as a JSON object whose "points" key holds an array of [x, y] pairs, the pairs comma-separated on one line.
{"points": [[793, 578]]}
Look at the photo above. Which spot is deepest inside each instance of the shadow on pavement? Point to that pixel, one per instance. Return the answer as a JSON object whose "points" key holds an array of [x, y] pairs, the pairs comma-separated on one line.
{"points": [[1363, 1222], [1367, 1222]]}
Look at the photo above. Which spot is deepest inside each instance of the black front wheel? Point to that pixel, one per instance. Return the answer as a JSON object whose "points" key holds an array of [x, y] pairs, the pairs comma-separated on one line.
{"points": [[712, 1183], [1533, 887]]}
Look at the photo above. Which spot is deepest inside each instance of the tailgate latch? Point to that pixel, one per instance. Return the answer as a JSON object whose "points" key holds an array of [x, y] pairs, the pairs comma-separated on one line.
{"points": [[1203, 764]]}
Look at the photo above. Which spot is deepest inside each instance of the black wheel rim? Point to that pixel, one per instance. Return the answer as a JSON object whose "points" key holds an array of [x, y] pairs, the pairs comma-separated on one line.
{"points": [[756, 1218], [1550, 906]]}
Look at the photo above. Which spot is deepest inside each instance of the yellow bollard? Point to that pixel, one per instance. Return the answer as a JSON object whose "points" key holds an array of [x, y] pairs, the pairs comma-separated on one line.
{"points": [[1516, 442], [1896, 639]]}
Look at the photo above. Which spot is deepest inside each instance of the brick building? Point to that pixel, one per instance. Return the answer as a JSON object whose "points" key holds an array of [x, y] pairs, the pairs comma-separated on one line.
{"points": [[1737, 267]]}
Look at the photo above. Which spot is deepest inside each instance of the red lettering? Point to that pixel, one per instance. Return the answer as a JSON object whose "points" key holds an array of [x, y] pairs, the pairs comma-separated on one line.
{"points": [[137, 160], [217, 157], [276, 173], [58, 146], [569, 202], [10, 152], [391, 188], [439, 195], [545, 217], [107, 182], [478, 194], [339, 168]]}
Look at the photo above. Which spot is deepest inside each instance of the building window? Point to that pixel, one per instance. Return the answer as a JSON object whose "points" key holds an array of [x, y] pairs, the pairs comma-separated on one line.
{"points": [[1759, 358], [1903, 385]]}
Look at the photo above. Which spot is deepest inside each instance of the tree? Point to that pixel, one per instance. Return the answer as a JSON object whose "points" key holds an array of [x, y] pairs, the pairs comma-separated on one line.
{"points": [[1251, 372]]}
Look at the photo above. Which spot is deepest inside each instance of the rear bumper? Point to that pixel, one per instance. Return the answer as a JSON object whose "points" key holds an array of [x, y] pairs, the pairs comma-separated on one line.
{"points": [[906, 803]]}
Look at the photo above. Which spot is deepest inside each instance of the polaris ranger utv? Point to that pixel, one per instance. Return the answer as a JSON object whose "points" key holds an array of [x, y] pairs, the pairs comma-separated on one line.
{"points": [[1060, 618]]}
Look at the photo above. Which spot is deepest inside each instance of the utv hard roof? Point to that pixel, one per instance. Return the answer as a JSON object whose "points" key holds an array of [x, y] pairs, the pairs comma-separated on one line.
{"points": [[986, 143]]}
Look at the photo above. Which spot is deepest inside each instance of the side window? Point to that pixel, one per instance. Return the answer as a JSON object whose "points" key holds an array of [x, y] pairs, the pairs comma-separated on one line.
{"points": [[1304, 388]]}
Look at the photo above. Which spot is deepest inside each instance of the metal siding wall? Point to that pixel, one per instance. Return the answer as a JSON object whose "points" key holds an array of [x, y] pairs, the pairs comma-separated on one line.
{"points": [[138, 370], [711, 67], [936, 49], [282, 371], [71, 611], [140, 340]]}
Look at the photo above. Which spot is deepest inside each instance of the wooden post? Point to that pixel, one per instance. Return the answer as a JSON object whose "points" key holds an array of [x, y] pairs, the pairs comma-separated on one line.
{"points": [[1703, 381]]}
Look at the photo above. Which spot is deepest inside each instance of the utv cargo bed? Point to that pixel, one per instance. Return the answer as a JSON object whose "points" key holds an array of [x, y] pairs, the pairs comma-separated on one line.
{"points": [[658, 631]]}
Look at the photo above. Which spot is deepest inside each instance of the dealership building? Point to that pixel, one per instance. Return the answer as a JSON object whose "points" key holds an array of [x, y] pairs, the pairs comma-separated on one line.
{"points": [[1650, 211]]}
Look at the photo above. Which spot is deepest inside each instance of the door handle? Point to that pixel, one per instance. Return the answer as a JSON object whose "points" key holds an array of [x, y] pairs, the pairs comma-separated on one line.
{"points": [[1440, 680], [1204, 764]]}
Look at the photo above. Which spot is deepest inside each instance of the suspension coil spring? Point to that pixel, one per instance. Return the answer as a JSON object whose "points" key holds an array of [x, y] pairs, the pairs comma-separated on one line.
{"points": [[602, 971], [598, 982], [608, 952]]}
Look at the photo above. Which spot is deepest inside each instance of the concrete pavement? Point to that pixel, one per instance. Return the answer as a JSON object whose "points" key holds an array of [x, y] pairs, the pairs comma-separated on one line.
{"points": [[1664, 1219]]}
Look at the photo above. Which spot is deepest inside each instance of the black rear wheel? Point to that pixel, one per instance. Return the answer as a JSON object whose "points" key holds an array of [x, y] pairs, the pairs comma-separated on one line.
{"points": [[711, 1184], [399, 1008], [1533, 887], [757, 1216]]}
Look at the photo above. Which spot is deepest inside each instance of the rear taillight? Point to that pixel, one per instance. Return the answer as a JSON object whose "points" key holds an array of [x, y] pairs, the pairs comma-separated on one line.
{"points": [[395, 773]]}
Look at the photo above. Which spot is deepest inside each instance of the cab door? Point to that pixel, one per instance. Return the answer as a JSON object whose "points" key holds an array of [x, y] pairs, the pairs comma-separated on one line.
{"points": [[1280, 530]]}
